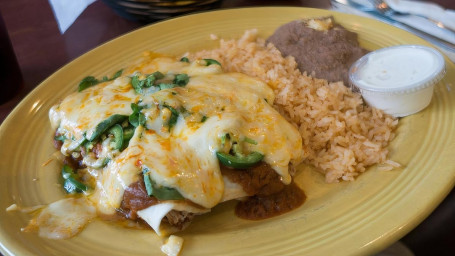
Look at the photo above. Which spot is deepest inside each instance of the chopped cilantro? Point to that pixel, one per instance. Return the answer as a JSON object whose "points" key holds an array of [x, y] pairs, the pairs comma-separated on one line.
{"points": [[181, 79], [90, 81], [136, 118]]}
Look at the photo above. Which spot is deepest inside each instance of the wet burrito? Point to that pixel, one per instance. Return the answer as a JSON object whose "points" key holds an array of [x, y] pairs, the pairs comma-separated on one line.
{"points": [[152, 144]]}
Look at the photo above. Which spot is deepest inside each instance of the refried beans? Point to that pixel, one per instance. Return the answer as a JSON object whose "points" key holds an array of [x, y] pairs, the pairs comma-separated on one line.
{"points": [[263, 207], [328, 53]]}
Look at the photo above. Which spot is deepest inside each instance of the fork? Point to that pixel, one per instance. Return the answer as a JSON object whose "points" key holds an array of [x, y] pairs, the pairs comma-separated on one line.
{"points": [[385, 9]]}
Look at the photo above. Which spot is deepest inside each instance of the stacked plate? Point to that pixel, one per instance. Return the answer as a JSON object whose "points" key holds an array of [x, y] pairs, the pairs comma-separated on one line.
{"points": [[153, 10]]}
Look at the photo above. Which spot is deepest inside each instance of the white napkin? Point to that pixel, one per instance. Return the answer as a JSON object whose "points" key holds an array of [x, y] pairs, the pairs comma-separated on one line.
{"points": [[426, 9], [413, 21], [418, 22], [67, 11]]}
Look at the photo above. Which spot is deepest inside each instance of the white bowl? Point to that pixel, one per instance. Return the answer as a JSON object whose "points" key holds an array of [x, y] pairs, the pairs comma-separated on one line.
{"points": [[398, 80]]}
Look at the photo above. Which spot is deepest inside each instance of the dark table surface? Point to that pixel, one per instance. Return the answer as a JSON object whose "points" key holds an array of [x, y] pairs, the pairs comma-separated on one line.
{"points": [[41, 50]]}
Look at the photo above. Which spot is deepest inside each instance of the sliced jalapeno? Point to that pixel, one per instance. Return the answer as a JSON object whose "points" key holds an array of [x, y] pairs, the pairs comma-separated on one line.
{"points": [[160, 192], [209, 62], [70, 182], [75, 144], [128, 133], [185, 59], [103, 126], [117, 132], [99, 163], [238, 161]]}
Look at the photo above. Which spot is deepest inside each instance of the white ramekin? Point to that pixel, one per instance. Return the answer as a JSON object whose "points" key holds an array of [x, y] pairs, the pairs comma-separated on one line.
{"points": [[398, 98]]}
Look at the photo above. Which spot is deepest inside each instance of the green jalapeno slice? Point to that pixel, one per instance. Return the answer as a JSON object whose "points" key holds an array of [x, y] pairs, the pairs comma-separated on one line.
{"points": [[239, 161], [70, 182], [117, 132], [160, 192], [103, 126]]}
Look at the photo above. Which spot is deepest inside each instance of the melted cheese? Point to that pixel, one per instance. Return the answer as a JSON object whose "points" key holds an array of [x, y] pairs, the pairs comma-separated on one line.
{"points": [[116, 177], [80, 112], [184, 157], [172, 246], [155, 213], [63, 219]]}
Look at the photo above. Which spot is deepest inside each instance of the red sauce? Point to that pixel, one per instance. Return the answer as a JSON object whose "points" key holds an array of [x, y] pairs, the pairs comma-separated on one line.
{"points": [[258, 180], [263, 207], [135, 198], [269, 196]]}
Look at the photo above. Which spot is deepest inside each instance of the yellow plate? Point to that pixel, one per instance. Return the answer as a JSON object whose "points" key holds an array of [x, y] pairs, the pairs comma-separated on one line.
{"points": [[351, 218]]}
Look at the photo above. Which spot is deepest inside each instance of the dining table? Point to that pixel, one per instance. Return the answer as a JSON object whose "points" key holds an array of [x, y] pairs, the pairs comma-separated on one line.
{"points": [[40, 49]]}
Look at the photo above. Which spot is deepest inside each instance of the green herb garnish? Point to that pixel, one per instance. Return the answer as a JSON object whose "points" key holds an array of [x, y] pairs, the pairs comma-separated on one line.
{"points": [[136, 118], [90, 81], [151, 80], [181, 79], [174, 116], [164, 86], [137, 83]]}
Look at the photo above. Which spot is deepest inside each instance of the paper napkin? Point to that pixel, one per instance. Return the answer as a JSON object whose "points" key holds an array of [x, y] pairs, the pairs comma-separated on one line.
{"points": [[67, 11]]}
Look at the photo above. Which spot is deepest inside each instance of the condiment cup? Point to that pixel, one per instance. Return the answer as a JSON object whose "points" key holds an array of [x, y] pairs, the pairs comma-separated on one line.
{"points": [[398, 80]]}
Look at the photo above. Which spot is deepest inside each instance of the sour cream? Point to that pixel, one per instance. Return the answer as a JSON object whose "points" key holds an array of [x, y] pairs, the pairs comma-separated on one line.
{"points": [[400, 79]]}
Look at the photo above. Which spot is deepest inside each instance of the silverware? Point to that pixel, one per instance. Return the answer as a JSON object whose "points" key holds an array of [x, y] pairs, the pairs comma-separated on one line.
{"points": [[385, 9], [389, 20]]}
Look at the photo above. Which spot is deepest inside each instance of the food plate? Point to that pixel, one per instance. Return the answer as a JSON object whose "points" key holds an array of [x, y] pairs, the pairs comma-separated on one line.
{"points": [[348, 218]]}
